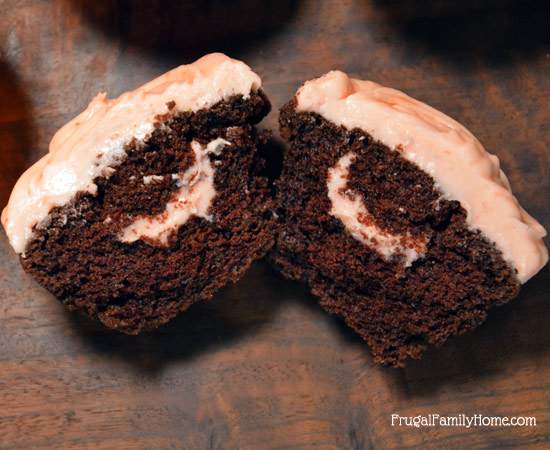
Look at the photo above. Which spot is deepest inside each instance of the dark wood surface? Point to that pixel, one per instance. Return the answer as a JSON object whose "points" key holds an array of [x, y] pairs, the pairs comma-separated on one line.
{"points": [[262, 367]]}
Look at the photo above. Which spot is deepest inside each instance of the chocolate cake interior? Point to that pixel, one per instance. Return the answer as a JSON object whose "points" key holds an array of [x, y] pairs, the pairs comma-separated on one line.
{"points": [[78, 255], [398, 308]]}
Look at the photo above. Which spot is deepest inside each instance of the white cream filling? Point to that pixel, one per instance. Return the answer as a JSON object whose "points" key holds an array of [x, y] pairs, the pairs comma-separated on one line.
{"points": [[348, 207], [148, 179], [194, 198]]}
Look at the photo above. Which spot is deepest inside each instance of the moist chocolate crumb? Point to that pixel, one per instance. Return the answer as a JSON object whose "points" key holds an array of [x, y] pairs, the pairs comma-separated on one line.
{"points": [[398, 310], [78, 256]]}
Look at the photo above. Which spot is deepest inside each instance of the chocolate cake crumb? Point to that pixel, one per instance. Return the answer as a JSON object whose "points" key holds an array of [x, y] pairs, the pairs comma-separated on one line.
{"points": [[77, 253], [398, 310]]}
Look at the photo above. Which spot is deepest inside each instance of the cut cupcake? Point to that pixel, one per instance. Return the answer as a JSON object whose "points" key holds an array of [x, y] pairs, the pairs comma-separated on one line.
{"points": [[150, 202], [397, 218]]}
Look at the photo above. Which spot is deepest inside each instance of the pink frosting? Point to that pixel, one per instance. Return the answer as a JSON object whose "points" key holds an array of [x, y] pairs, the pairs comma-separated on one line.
{"points": [[440, 146], [93, 143]]}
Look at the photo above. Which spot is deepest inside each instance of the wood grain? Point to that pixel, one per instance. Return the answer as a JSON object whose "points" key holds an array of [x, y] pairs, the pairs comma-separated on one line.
{"points": [[262, 367]]}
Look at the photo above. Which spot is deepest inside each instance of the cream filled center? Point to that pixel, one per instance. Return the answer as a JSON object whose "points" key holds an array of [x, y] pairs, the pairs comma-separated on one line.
{"points": [[349, 208], [193, 198]]}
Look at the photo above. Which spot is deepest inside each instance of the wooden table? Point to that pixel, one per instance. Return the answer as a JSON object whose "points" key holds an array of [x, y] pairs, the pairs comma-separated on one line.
{"points": [[262, 366]]}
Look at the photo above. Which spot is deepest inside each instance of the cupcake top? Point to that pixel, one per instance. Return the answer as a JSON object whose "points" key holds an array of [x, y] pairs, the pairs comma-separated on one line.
{"points": [[94, 142], [462, 169]]}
